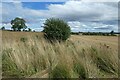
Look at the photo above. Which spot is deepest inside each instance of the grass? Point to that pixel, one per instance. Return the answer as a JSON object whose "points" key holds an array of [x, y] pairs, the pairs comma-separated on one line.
{"points": [[60, 71], [26, 54], [80, 70], [104, 63]]}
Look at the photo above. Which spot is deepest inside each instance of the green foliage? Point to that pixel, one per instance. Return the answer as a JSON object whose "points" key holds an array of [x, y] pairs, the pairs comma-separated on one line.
{"points": [[9, 68], [96, 33], [18, 24], [56, 29], [60, 71], [112, 33], [24, 30], [39, 63], [29, 29], [23, 39], [80, 70], [3, 28]]}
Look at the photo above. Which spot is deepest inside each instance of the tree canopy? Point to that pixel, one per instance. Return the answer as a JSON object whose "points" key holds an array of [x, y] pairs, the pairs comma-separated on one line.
{"points": [[18, 24], [56, 29], [3, 28]]}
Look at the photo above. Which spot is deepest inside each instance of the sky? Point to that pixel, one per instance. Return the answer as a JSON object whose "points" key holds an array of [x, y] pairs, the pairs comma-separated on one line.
{"points": [[80, 16]]}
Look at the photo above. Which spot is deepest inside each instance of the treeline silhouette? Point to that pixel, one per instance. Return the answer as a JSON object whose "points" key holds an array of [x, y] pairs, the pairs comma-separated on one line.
{"points": [[112, 33]]}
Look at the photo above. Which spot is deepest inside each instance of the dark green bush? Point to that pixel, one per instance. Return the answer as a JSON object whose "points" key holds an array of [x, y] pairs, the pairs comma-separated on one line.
{"points": [[3, 28], [56, 29], [29, 29]]}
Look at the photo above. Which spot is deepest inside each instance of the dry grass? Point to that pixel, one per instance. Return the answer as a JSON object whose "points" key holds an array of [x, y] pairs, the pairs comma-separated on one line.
{"points": [[28, 54]]}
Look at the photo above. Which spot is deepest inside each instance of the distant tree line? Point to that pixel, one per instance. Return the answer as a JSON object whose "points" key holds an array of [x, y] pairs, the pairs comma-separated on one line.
{"points": [[112, 33], [94, 33], [75, 33]]}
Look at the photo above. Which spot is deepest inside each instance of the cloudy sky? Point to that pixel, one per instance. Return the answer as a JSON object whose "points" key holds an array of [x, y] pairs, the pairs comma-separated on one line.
{"points": [[81, 16]]}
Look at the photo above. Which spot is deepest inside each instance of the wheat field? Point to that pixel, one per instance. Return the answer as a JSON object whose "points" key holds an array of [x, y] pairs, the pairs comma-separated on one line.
{"points": [[28, 54]]}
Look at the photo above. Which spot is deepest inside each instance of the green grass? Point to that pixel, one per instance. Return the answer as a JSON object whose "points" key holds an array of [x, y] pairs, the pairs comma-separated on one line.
{"points": [[60, 71], [9, 68], [80, 70]]}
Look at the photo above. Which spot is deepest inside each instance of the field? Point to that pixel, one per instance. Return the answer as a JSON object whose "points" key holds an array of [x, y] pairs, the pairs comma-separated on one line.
{"points": [[28, 54]]}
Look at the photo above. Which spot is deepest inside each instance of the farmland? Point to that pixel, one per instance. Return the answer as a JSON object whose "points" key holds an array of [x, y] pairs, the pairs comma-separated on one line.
{"points": [[28, 54]]}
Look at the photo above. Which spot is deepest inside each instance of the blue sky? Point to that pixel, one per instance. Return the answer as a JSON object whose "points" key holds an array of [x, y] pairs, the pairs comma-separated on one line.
{"points": [[81, 16], [39, 5]]}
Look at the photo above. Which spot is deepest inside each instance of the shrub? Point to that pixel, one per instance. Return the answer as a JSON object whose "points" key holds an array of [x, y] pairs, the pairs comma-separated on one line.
{"points": [[56, 29], [3, 28], [29, 29], [112, 32]]}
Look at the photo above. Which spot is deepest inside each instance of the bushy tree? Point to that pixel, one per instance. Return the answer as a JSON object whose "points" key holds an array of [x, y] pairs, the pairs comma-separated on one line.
{"points": [[3, 28], [18, 24], [112, 32], [56, 29], [29, 29]]}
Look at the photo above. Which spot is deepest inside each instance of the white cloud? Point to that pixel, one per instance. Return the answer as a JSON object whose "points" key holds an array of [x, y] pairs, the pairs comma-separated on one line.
{"points": [[91, 26], [100, 0], [83, 11], [7, 26], [80, 15]]}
